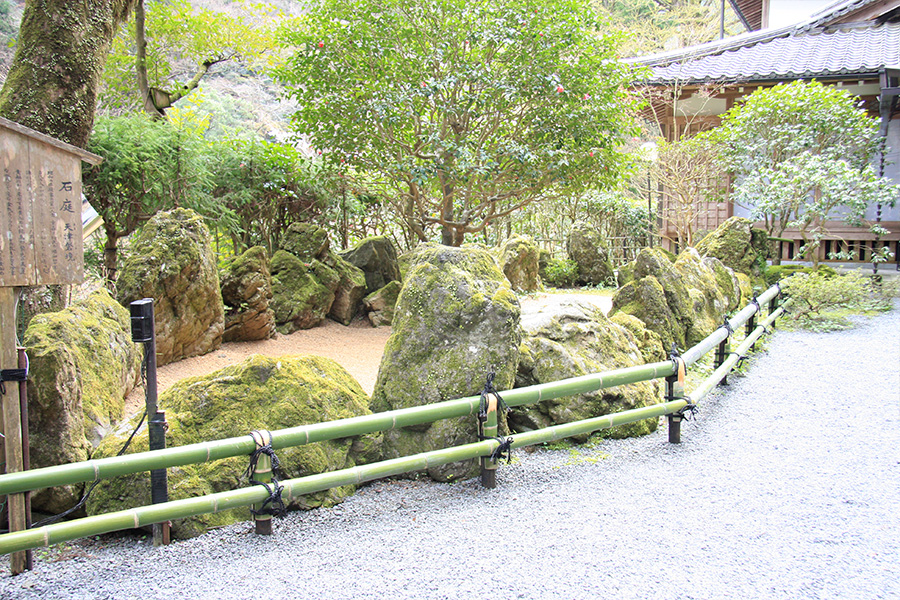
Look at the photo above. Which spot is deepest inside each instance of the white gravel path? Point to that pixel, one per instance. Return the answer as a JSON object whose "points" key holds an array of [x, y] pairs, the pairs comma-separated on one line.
{"points": [[785, 487]]}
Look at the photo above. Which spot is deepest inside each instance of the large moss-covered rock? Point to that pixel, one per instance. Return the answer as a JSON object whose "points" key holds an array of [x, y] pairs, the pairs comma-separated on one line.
{"points": [[519, 258], [302, 292], [260, 393], [456, 319], [377, 258], [306, 241], [246, 292], [351, 289], [380, 304], [577, 339], [82, 365], [739, 246], [172, 261], [588, 249], [683, 302]]}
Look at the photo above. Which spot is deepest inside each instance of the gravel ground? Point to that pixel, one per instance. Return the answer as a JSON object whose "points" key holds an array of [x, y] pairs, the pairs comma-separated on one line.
{"points": [[785, 487]]}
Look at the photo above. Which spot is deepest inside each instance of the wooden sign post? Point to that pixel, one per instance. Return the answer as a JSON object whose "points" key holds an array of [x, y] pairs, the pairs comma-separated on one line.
{"points": [[40, 244]]}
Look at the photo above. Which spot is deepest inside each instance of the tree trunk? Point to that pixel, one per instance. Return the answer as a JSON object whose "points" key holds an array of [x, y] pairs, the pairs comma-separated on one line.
{"points": [[54, 78], [111, 257]]}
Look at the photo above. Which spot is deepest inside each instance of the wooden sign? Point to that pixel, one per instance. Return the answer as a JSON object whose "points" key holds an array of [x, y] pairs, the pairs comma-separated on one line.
{"points": [[40, 215]]}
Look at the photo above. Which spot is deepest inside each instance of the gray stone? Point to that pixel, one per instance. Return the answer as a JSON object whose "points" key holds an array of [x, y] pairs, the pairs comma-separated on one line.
{"points": [[260, 393], [456, 319], [302, 292], [350, 291], [306, 241], [377, 258], [172, 261], [82, 365], [246, 292], [380, 304], [577, 339], [739, 246], [519, 258], [588, 249]]}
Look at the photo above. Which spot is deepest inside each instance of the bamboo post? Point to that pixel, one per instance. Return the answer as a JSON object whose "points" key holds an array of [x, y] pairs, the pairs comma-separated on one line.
{"points": [[489, 429], [12, 419], [262, 472], [674, 392]]}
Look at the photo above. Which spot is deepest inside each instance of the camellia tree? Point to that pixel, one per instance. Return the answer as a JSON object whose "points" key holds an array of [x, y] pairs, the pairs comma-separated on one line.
{"points": [[468, 111], [804, 154]]}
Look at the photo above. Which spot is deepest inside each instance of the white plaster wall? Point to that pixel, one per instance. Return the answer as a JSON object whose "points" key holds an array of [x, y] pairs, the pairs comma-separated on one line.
{"points": [[783, 12]]}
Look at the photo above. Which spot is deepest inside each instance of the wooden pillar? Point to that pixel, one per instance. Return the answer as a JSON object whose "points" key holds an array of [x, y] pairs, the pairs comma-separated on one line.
{"points": [[12, 418]]}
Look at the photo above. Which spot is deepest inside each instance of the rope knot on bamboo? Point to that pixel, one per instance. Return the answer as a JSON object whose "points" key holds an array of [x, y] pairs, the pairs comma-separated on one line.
{"points": [[504, 450], [274, 504], [740, 360], [483, 400], [727, 326]]}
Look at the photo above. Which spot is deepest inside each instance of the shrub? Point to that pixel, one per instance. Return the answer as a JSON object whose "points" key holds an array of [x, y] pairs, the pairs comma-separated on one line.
{"points": [[560, 272], [775, 273], [817, 295]]}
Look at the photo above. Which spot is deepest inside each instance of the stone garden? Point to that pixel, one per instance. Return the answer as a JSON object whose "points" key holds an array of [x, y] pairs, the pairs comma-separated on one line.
{"points": [[455, 315]]}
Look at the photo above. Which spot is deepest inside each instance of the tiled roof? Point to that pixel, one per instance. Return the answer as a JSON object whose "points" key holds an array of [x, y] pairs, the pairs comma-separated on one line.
{"points": [[753, 57]]}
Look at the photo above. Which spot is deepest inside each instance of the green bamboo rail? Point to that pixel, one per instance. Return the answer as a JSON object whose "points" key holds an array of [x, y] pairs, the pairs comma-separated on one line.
{"points": [[203, 452], [178, 509], [104, 468]]}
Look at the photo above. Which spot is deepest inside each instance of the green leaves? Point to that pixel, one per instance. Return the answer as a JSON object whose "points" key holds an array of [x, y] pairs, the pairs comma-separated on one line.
{"points": [[803, 154], [457, 103]]}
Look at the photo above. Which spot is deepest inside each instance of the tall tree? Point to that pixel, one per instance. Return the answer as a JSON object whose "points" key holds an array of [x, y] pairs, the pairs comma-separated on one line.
{"points": [[54, 79], [804, 154], [171, 46], [468, 110]]}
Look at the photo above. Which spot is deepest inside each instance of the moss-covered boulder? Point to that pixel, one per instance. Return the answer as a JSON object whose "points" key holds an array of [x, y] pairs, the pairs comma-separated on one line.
{"points": [[302, 292], [645, 299], [260, 393], [739, 246], [172, 261], [350, 291], [519, 258], [82, 365], [683, 302], [246, 292], [306, 241], [377, 257], [577, 339], [648, 341], [380, 304], [456, 318], [588, 249]]}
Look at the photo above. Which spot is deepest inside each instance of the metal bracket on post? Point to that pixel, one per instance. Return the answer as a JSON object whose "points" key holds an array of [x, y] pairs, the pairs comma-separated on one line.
{"points": [[488, 428]]}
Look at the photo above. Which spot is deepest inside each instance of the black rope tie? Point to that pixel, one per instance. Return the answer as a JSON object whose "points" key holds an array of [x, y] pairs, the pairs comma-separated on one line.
{"points": [[755, 302], [740, 360], [504, 450], [674, 356], [483, 401], [277, 507], [12, 375], [689, 412], [727, 326]]}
